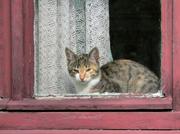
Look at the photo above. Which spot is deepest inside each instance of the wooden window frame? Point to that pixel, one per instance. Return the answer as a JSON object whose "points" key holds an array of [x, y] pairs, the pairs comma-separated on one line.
{"points": [[16, 86], [88, 132], [18, 66]]}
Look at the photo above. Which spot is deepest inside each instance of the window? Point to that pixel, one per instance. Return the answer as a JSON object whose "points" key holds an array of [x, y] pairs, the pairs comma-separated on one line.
{"points": [[135, 33], [22, 113], [24, 56]]}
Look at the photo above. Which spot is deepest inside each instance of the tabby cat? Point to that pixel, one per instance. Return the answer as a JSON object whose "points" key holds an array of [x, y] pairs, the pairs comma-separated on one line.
{"points": [[119, 76]]}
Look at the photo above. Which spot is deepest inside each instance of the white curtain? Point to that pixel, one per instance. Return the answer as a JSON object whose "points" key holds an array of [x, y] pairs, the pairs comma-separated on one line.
{"points": [[77, 24]]}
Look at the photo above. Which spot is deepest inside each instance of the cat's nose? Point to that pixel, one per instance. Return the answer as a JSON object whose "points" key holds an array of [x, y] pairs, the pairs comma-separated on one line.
{"points": [[82, 77]]}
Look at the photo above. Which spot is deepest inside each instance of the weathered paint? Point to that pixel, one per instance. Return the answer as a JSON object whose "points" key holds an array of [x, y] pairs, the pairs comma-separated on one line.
{"points": [[17, 49], [42, 121], [166, 46], [22, 48], [87, 132], [5, 49], [23, 67], [122, 103], [28, 17], [90, 120], [176, 54]]}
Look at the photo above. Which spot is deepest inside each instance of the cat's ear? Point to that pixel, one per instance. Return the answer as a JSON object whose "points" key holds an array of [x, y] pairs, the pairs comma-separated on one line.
{"points": [[94, 55], [70, 55]]}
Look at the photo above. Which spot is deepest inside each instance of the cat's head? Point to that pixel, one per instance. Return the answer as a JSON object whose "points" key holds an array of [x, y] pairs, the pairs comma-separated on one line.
{"points": [[85, 67]]}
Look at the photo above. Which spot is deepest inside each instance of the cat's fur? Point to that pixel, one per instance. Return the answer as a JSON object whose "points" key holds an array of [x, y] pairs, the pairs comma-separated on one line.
{"points": [[120, 76]]}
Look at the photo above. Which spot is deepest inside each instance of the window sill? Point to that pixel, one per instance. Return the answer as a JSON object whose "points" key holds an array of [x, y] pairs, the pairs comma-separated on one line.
{"points": [[122, 103]]}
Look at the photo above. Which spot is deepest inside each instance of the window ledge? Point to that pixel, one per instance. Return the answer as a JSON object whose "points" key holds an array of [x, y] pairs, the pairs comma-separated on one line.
{"points": [[121, 103]]}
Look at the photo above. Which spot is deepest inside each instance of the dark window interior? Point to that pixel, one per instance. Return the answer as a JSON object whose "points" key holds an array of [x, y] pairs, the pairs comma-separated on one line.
{"points": [[135, 31]]}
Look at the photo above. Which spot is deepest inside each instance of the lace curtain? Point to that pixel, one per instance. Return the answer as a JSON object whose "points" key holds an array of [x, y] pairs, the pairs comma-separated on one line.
{"points": [[77, 24]]}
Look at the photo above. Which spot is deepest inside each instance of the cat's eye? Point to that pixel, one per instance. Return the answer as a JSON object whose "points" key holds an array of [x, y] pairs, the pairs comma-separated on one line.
{"points": [[89, 69], [76, 70]]}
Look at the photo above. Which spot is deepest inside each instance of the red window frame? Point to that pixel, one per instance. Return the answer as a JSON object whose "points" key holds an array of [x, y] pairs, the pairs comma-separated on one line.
{"points": [[17, 61], [16, 86]]}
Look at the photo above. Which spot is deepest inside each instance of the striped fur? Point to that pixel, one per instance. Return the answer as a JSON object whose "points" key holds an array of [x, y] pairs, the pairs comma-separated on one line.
{"points": [[120, 76]]}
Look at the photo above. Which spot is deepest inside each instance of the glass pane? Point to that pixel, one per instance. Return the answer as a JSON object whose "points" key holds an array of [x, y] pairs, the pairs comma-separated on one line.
{"points": [[75, 24], [67, 32]]}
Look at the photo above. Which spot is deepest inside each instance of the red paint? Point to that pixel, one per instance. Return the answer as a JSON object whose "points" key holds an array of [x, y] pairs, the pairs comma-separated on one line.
{"points": [[5, 84], [22, 63], [28, 17], [87, 132], [21, 41], [90, 120], [17, 49], [176, 54], [22, 48], [166, 52], [93, 104], [23, 57]]}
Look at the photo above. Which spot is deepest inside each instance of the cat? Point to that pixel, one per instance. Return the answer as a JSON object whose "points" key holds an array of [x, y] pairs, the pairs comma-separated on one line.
{"points": [[118, 76]]}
